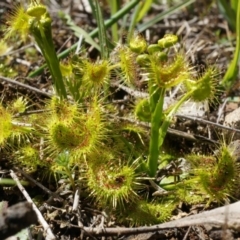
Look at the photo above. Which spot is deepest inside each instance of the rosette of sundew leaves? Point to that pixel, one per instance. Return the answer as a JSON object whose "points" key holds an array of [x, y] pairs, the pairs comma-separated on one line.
{"points": [[215, 176], [71, 128]]}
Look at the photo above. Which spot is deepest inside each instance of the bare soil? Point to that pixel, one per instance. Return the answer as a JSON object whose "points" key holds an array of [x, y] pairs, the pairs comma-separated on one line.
{"points": [[206, 38]]}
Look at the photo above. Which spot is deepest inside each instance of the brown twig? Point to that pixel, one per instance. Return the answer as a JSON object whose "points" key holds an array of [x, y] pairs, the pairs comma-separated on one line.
{"points": [[227, 216], [208, 122], [38, 184], [187, 233], [47, 229], [192, 137], [25, 86], [26, 113]]}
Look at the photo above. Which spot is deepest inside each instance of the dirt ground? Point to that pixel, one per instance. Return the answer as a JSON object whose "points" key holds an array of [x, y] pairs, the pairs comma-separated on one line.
{"points": [[205, 37]]}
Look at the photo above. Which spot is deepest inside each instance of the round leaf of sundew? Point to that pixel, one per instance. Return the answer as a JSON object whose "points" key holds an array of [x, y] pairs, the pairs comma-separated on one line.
{"points": [[36, 11], [142, 110], [170, 74], [205, 87], [5, 124]]}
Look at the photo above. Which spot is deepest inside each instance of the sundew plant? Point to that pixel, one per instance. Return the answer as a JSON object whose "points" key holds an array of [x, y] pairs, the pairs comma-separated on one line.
{"points": [[79, 135]]}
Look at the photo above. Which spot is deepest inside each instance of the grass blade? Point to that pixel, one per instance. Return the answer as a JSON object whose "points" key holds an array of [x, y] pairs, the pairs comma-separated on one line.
{"points": [[80, 32], [114, 6], [232, 71], [146, 6], [164, 14], [228, 12], [101, 31]]}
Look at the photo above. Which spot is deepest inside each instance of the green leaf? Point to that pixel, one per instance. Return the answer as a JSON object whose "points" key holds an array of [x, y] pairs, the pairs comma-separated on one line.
{"points": [[11, 182], [114, 7], [134, 20], [101, 31], [164, 14], [145, 8], [228, 11], [232, 71], [79, 31], [234, 4]]}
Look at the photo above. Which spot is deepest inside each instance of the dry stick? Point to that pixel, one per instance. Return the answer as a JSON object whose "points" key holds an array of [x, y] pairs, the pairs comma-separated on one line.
{"points": [[25, 86], [208, 122], [47, 229], [30, 112], [187, 233], [18, 50], [192, 137], [76, 200], [52, 194], [64, 44], [139, 94], [130, 91], [220, 111], [215, 217]]}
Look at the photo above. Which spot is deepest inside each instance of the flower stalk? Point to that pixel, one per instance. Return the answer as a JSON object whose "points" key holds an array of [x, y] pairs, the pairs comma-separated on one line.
{"points": [[163, 74], [37, 21], [40, 27]]}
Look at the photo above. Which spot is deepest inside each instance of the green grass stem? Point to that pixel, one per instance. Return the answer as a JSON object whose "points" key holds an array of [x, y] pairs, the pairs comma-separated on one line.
{"points": [[164, 14], [232, 71]]}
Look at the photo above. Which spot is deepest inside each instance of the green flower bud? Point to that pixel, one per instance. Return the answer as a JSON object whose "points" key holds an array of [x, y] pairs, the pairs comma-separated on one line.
{"points": [[161, 56], [138, 44], [167, 41], [153, 48], [143, 60]]}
